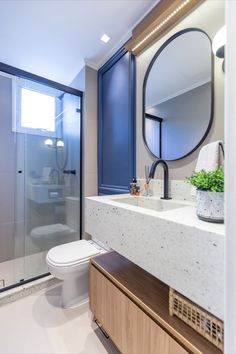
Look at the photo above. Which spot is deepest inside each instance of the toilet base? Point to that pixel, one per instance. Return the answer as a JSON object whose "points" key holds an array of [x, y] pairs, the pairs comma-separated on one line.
{"points": [[75, 291]]}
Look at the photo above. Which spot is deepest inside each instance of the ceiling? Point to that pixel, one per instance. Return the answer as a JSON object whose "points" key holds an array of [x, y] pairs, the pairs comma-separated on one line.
{"points": [[54, 38]]}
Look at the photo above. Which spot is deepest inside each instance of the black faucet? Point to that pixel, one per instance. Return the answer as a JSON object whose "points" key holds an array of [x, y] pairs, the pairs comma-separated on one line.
{"points": [[166, 175]]}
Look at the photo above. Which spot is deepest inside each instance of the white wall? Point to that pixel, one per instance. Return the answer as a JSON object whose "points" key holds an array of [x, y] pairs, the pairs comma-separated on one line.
{"points": [[86, 81], [230, 172], [208, 17], [90, 133]]}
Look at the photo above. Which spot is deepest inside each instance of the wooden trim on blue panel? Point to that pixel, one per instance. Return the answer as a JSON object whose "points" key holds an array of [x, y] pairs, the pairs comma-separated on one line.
{"points": [[104, 189]]}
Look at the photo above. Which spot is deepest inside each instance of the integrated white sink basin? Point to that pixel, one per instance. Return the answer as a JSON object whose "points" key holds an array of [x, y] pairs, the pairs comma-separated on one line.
{"points": [[151, 203]]}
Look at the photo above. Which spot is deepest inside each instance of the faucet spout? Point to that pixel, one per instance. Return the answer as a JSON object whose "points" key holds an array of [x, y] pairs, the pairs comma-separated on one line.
{"points": [[166, 176]]}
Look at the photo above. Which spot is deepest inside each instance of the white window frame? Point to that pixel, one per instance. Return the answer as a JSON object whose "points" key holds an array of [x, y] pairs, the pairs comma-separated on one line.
{"points": [[17, 85]]}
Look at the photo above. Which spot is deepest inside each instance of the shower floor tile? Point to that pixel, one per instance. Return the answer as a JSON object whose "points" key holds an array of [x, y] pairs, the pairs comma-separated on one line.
{"points": [[37, 324], [23, 268]]}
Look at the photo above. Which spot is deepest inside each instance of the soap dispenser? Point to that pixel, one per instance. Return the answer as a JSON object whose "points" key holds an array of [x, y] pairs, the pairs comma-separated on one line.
{"points": [[135, 187]]}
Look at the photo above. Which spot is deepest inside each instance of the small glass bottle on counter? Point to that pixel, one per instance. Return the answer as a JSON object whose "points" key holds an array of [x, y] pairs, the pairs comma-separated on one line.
{"points": [[135, 187]]}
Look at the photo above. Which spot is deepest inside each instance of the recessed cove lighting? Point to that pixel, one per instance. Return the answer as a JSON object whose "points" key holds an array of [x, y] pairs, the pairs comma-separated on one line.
{"points": [[161, 24], [105, 38]]}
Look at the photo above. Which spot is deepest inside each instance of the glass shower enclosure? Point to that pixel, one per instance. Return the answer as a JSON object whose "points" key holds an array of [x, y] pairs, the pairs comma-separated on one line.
{"points": [[40, 173]]}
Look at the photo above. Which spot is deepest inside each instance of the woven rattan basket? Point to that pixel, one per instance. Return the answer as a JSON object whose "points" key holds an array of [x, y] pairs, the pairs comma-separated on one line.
{"points": [[202, 321]]}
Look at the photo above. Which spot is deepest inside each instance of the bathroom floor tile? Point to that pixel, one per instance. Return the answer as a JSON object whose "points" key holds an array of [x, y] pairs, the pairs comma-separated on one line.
{"points": [[37, 324]]}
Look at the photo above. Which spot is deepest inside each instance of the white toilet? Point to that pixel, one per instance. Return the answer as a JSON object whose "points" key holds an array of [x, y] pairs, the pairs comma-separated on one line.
{"points": [[70, 263]]}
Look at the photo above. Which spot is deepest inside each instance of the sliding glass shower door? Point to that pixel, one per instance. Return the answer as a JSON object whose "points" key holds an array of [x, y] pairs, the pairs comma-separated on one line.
{"points": [[40, 174]]}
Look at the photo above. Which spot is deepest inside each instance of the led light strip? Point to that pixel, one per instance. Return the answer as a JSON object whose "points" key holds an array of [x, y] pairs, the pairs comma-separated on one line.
{"points": [[161, 24]]}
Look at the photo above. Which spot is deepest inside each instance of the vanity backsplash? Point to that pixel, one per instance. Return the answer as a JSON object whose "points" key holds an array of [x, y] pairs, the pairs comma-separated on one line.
{"points": [[179, 189]]}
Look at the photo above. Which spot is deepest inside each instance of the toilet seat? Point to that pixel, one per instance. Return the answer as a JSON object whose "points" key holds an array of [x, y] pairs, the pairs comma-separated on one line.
{"points": [[72, 253]]}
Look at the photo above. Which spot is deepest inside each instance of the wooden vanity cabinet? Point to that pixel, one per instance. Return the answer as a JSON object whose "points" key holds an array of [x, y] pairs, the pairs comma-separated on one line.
{"points": [[132, 307], [129, 327]]}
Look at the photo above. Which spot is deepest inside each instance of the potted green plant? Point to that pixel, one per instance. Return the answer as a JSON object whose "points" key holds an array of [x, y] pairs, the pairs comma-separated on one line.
{"points": [[210, 194]]}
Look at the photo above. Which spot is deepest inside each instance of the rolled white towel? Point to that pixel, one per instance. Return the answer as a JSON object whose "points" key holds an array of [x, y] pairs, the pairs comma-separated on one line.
{"points": [[209, 158]]}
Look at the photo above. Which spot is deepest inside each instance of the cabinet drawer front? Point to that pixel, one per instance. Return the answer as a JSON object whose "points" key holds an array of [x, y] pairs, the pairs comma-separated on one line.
{"points": [[129, 327]]}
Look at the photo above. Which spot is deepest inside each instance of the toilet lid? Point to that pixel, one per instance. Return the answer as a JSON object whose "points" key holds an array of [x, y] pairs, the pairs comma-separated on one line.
{"points": [[72, 252]]}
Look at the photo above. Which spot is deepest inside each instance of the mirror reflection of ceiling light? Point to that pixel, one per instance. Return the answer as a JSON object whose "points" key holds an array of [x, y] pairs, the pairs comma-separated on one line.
{"points": [[105, 38], [60, 143], [48, 142]]}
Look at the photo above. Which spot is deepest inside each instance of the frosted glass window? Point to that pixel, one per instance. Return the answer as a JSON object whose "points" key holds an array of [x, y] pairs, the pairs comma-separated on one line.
{"points": [[38, 110]]}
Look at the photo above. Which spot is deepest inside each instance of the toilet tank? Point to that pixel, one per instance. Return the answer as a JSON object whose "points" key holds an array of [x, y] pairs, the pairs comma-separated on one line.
{"points": [[73, 212]]}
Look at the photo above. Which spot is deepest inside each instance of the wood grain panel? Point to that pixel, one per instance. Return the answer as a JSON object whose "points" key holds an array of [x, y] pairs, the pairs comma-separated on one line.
{"points": [[160, 12], [152, 295], [129, 327]]}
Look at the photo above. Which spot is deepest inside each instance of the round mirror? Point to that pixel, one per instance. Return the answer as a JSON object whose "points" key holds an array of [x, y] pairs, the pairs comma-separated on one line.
{"points": [[178, 95]]}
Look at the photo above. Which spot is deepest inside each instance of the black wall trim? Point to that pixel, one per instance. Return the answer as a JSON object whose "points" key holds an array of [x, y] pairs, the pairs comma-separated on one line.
{"points": [[151, 116], [24, 282], [27, 75]]}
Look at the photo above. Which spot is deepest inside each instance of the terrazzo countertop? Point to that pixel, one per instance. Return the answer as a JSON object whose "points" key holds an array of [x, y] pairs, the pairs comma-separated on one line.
{"points": [[174, 245]]}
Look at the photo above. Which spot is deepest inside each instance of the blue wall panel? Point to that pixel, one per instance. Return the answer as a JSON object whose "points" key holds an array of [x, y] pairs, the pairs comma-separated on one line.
{"points": [[116, 138]]}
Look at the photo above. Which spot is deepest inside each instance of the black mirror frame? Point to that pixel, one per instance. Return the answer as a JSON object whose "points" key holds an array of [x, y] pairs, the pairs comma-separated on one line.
{"points": [[165, 44]]}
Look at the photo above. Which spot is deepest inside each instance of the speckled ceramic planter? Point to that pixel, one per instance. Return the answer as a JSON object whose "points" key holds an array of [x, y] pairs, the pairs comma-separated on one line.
{"points": [[210, 206]]}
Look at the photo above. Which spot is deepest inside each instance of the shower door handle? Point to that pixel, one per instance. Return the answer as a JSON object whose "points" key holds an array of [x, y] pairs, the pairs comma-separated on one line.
{"points": [[70, 172]]}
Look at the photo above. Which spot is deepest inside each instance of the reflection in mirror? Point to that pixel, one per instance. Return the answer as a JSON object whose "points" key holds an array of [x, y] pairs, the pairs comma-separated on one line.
{"points": [[178, 95]]}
